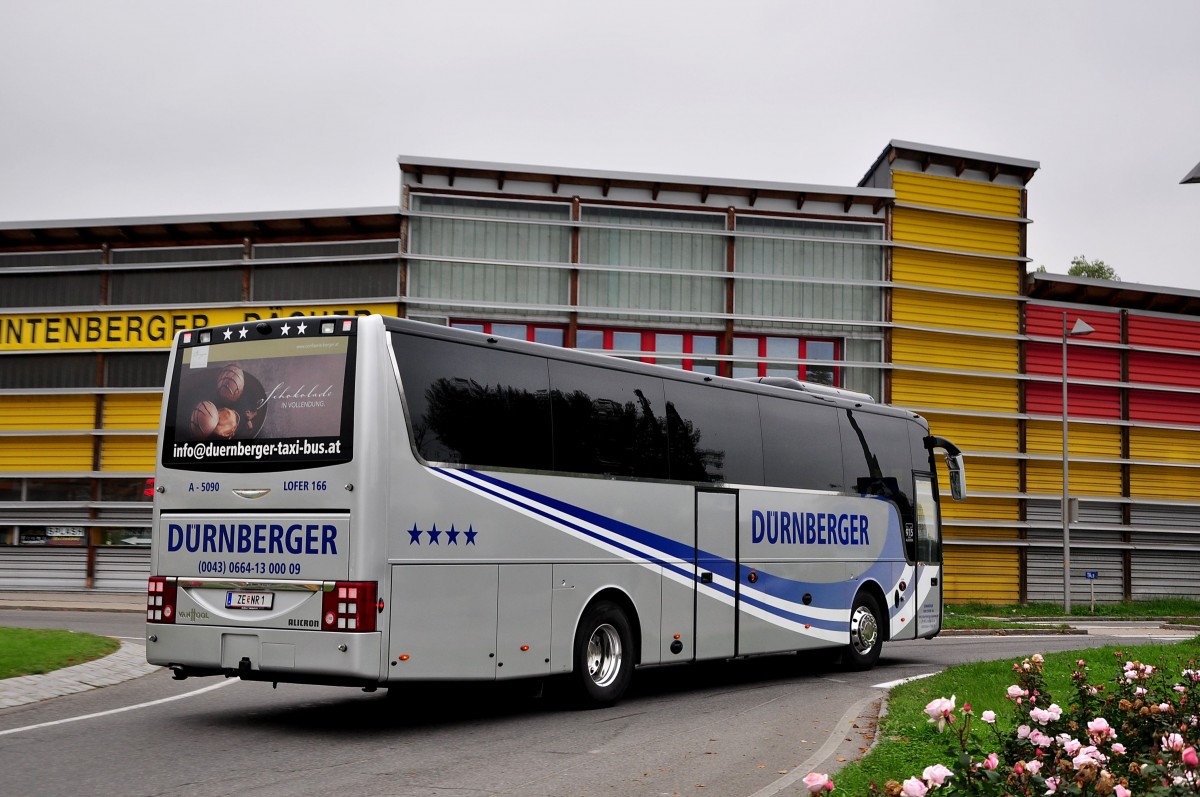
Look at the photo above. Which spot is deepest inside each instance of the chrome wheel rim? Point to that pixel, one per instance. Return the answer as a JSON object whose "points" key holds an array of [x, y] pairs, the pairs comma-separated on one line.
{"points": [[864, 630], [604, 655]]}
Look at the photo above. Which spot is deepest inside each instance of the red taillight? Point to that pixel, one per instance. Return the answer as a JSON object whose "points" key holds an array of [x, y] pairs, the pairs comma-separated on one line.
{"points": [[349, 606], [160, 600]]}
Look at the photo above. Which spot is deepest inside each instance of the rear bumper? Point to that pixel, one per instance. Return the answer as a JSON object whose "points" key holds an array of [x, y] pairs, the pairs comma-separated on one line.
{"points": [[267, 654]]}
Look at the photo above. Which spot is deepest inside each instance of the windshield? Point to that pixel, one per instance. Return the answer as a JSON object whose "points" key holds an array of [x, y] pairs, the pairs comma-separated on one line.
{"points": [[260, 405]]}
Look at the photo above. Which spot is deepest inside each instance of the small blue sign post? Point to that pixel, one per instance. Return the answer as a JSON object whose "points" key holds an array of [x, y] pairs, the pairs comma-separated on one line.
{"points": [[1091, 576]]}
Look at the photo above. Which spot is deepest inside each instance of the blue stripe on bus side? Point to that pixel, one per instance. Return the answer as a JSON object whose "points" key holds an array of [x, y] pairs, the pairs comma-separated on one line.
{"points": [[785, 589], [533, 507]]}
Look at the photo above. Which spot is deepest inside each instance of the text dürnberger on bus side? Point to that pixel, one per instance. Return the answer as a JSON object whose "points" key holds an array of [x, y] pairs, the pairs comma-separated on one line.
{"points": [[808, 528]]}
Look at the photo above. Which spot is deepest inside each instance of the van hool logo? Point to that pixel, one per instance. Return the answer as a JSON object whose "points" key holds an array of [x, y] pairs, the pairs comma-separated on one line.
{"points": [[192, 614], [435, 536]]}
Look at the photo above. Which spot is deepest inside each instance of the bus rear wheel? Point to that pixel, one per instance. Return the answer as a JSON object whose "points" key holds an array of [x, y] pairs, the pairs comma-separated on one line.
{"points": [[603, 655], [866, 633]]}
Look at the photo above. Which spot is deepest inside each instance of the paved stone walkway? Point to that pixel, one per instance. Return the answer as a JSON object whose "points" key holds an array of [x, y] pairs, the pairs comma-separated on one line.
{"points": [[127, 663]]}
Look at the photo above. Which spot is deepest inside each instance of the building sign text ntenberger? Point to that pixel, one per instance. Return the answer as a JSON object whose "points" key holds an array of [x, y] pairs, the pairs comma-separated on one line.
{"points": [[141, 329]]}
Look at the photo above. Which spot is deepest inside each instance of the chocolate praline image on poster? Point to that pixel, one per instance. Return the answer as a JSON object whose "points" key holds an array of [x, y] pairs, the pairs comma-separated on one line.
{"points": [[222, 402]]}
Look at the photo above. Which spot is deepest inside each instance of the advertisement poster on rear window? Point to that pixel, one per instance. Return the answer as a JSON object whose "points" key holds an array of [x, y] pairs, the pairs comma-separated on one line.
{"points": [[249, 404]]}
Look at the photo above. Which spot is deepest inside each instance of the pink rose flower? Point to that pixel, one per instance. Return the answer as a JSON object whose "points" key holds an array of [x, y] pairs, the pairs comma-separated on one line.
{"points": [[816, 782], [940, 710], [1121, 791], [937, 774], [989, 717], [1100, 729], [1172, 743], [992, 761], [914, 787], [1189, 756]]}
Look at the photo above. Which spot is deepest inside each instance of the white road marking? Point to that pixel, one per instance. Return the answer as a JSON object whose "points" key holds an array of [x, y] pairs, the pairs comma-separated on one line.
{"points": [[890, 684], [120, 710]]}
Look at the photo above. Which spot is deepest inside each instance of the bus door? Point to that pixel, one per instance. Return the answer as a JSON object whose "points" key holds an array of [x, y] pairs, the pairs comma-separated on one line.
{"points": [[716, 574], [928, 576]]}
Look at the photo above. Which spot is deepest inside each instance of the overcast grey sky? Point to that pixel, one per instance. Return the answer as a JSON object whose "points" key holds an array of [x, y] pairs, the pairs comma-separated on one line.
{"points": [[160, 108]]}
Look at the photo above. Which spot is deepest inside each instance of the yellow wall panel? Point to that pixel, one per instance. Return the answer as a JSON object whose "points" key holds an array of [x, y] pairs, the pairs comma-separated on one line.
{"points": [[1161, 445], [958, 233], [1087, 478], [955, 312], [70, 452], [975, 434], [960, 272], [128, 453], [1085, 439], [959, 352], [954, 194], [987, 574], [987, 476], [913, 389], [36, 413], [1161, 481], [978, 508], [132, 411], [998, 532]]}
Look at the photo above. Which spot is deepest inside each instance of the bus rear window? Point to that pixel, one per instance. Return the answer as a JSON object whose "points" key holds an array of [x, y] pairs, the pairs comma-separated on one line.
{"points": [[261, 405]]}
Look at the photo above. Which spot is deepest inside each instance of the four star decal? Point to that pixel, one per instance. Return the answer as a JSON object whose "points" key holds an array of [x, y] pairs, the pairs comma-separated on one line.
{"points": [[433, 535]]}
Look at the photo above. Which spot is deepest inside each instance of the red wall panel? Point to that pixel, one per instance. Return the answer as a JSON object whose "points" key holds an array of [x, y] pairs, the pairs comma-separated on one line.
{"points": [[1082, 362], [1155, 406], [1085, 401], [1164, 369], [1047, 322], [1163, 333]]}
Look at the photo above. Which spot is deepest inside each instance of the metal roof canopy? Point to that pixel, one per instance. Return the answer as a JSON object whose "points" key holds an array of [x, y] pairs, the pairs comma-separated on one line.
{"points": [[959, 159], [200, 229], [1109, 293], [418, 167]]}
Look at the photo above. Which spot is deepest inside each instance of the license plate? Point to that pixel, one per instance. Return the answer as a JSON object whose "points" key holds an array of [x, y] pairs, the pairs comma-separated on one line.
{"points": [[249, 600]]}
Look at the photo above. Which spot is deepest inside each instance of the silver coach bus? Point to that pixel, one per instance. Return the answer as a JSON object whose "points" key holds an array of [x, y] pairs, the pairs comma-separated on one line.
{"points": [[368, 501]]}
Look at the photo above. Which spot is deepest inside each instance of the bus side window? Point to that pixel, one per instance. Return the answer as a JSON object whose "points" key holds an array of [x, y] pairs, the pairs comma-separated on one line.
{"points": [[475, 406], [801, 445], [713, 434], [608, 421]]}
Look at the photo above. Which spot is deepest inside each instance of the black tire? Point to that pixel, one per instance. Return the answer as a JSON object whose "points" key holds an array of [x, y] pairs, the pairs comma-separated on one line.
{"points": [[866, 633], [603, 655]]}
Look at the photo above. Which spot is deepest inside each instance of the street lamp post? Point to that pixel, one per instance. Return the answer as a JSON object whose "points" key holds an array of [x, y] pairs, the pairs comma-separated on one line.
{"points": [[1080, 329]]}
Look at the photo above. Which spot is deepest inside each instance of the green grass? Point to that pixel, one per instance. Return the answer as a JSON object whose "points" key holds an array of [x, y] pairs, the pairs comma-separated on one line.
{"points": [[1159, 607], [907, 743], [31, 651], [956, 622]]}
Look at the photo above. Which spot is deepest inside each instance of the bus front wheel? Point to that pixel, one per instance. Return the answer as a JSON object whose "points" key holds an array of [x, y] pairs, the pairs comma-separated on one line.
{"points": [[866, 633], [603, 655]]}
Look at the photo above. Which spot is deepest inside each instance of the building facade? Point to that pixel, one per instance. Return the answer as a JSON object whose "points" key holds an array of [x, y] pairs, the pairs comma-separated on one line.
{"points": [[912, 286]]}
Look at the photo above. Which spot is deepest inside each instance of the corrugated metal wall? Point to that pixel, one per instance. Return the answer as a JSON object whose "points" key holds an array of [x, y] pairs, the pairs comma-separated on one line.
{"points": [[468, 257], [956, 357], [1136, 369]]}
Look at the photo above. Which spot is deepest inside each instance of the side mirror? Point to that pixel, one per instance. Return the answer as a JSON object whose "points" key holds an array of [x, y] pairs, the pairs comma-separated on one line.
{"points": [[954, 465], [958, 476]]}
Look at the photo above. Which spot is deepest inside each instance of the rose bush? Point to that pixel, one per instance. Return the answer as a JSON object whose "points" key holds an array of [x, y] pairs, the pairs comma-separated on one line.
{"points": [[1135, 733]]}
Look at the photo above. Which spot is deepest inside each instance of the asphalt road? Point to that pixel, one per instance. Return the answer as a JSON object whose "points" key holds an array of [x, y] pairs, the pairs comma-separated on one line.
{"points": [[737, 728]]}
